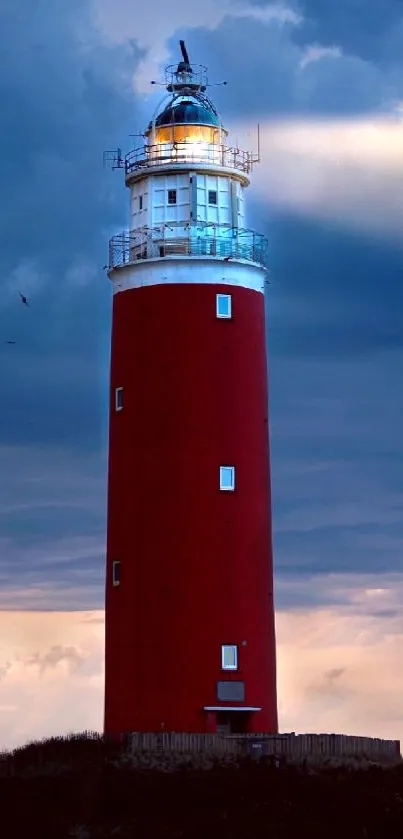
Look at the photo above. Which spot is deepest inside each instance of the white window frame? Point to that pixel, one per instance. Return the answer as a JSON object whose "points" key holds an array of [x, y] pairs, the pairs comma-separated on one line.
{"points": [[223, 485], [118, 392], [228, 298], [229, 651], [115, 566]]}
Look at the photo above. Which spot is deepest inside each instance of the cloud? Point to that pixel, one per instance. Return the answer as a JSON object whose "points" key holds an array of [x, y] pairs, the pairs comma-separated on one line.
{"points": [[151, 31], [55, 656], [315, 52], [328, 686], [66, 97], [4, 669], [54, 678], [345, 172], [363, 594], [373, 31], [81, 272], [52, 525], [338, 673]]}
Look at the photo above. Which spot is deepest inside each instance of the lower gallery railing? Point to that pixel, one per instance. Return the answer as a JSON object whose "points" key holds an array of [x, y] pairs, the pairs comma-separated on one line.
{"points": [[187, 240]]}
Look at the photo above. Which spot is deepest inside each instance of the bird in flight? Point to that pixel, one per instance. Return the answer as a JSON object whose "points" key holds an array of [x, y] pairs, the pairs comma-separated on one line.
{"points": [[10, 342], [23, 298]]}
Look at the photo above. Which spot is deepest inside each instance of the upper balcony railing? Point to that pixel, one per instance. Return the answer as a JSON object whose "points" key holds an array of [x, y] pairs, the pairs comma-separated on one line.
{"points": [[165, 154], [174, 240]]}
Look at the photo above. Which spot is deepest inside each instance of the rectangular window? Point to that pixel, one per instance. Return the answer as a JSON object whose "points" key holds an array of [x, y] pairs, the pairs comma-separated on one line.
{"points": [[231, 691], [118, 398], [227, 477], [229, 657], [171, 196], [140, 202], [116, 573], [223, 305], [212, 196]]}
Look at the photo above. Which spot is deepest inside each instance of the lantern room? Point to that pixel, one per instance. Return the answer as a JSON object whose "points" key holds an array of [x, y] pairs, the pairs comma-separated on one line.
{"points": [[186, 120], [188, 127]]}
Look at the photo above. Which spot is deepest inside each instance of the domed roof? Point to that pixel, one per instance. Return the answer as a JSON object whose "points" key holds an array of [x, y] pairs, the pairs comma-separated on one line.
{"points": [[187, 111]]}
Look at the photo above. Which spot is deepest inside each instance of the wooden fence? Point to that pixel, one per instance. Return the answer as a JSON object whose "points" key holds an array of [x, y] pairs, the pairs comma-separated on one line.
{"points": [[291, 745]]}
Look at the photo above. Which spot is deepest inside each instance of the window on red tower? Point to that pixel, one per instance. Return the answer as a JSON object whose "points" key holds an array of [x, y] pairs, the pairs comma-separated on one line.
{"points": [[116, 572], [227, 478], [118, 398], [229, 657], [223, 305]]}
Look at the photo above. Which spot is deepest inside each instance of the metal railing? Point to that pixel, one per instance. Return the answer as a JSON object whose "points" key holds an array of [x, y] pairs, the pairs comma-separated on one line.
{"points": [[219, 241], [164, 154]]}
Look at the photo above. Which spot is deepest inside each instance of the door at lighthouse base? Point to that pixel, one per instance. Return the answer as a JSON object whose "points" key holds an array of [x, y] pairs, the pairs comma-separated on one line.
{"points": [[233, 722]]}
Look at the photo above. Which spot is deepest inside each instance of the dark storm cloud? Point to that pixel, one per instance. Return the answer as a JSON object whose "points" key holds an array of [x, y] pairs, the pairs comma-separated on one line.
{"points": [[337, 465], [52, 526], [370, 29], [269, 80], [65, 99], [334, 293]]}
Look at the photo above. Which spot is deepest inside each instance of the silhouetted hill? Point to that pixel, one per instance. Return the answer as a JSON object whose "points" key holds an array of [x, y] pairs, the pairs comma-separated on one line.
{"points": [[83, 787]]}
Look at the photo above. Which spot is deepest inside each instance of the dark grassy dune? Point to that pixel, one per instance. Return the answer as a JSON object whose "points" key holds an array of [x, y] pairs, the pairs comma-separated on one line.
{"points": [[82, 787]]}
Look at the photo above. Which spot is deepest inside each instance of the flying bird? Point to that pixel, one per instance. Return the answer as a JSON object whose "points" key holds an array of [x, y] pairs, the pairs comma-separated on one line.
{"points": [[23, 298], [9, 342]]}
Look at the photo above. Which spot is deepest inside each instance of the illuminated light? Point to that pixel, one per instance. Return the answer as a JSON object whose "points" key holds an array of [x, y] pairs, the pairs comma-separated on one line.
{"points": [[189, 133], [193, 148], [174, 143]]}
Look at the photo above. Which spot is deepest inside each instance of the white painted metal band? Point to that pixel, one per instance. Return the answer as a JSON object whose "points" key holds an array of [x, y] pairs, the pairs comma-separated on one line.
{"points": [[230, 708], [188, 270]]}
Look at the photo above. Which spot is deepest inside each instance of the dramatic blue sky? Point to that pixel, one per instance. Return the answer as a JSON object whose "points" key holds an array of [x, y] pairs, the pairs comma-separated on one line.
{"points": [[325, 82]]}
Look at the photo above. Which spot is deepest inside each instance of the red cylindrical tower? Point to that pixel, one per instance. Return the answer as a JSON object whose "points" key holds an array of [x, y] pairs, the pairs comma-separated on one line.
{"points": [[190, 634]]}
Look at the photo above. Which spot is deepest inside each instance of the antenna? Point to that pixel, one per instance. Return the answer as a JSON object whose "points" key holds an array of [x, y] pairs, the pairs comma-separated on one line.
{"points": [[114, 159], [184, 52]]}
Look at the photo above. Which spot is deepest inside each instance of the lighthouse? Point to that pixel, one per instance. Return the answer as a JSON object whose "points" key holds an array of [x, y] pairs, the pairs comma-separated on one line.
{"points": [[189, 623]]}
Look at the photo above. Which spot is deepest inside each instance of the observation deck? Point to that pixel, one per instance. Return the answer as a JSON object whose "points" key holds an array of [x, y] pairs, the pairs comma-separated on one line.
{"points": [[184, 240], [188, 153]]}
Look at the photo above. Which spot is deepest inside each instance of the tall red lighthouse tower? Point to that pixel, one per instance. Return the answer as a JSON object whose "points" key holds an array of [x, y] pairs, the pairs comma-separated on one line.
{"points": [[190, 634]]}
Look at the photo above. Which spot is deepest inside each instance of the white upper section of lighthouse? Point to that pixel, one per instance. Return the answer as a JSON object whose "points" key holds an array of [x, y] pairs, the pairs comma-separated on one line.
{"points": [[187, 194]]}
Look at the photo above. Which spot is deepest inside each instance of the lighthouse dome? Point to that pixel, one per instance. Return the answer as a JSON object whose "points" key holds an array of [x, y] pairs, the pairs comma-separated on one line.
{"points": [[187, 112]]}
